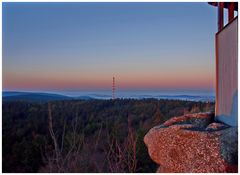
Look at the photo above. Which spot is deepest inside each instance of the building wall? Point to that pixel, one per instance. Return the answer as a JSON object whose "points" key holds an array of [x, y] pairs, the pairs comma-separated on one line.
{"points": [[227, 74]]}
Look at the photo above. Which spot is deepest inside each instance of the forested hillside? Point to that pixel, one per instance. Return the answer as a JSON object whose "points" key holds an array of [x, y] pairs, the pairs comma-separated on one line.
{"points": [[84, 135]]}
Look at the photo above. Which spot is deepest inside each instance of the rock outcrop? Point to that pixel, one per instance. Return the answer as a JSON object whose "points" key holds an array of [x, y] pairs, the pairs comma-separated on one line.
{"points": [[193, 143]]}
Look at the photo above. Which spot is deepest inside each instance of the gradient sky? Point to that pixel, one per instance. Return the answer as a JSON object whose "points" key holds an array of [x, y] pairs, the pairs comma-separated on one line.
{"points": [[75, 46]]}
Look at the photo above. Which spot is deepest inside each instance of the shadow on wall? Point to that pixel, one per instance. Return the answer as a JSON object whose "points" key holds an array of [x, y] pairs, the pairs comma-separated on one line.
{"points": [[231, 119]]}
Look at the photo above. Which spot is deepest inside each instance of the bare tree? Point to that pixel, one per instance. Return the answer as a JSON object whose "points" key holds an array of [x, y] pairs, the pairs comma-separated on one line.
{"points": [[53, 136], [63, 157], [122, 157], [71, 153], [131, 146]]}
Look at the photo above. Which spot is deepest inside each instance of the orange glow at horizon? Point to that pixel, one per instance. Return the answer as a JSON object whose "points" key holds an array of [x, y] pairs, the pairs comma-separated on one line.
{"points": [[148, 80]]}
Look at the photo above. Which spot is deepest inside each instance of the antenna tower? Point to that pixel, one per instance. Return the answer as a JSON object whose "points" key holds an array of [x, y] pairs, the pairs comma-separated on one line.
{"points": [[113, 88]]}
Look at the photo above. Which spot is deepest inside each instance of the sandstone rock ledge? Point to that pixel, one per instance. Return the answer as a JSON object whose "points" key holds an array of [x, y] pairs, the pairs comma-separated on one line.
{"points": [[193, 143]]}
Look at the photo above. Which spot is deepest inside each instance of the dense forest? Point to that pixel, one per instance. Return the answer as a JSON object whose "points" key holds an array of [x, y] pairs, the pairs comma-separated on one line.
{"points": [[84, 135]]}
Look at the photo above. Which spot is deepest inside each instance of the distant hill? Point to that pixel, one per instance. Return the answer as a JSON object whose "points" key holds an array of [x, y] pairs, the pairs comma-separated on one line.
{"points": [[32, 96], [41, 96]]}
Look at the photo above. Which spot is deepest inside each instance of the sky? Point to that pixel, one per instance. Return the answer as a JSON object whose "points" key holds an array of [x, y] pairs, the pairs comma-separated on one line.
{"points": [[74, 46]]}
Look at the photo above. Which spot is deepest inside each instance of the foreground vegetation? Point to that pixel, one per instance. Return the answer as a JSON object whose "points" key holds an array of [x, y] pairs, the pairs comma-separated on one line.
{"points": [[84, 135]]}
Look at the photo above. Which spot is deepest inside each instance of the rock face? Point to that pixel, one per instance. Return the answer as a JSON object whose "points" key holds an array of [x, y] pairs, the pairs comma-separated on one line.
{"points": [[193, 143]]}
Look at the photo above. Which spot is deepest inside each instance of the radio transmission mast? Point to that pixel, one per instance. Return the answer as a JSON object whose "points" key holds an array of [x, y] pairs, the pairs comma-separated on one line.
{"points": [[113, 88]]}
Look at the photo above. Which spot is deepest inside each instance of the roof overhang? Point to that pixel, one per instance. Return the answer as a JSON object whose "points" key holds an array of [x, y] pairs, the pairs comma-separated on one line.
{"points": [[225, 4]]}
